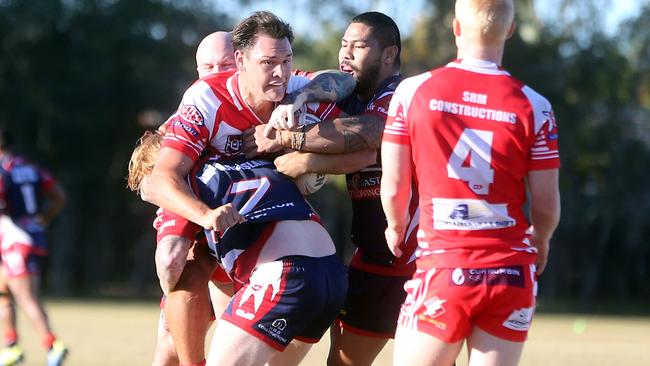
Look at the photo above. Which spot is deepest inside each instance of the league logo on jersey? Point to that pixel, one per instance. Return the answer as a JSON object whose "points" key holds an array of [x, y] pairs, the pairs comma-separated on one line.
{"points": [[551, 125], [234, 144], [191, 114]]}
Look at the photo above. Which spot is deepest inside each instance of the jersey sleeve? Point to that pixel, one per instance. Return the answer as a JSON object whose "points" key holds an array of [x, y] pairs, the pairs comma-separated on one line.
{"points": [[296, 82], [315, 112], [190, 129], [544, 153], [396, 130], [308, 74]]}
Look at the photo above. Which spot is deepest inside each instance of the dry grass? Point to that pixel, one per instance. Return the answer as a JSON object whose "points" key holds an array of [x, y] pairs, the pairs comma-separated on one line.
{"points": [[123, 334]]}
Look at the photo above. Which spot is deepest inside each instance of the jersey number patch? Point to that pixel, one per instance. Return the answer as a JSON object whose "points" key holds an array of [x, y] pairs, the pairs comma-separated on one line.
{"points": [[471, 158], [259, 185]]}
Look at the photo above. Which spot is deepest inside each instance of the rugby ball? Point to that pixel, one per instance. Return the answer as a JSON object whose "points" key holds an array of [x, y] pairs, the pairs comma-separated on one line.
{"points": [[309, 183]]}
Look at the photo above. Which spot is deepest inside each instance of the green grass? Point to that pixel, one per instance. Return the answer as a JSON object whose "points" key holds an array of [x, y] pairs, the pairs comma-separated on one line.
{"points": [[122, 333]]}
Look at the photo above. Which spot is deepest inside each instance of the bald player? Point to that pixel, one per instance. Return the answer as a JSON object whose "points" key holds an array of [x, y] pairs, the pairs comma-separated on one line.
{"points": [[215, 54]]}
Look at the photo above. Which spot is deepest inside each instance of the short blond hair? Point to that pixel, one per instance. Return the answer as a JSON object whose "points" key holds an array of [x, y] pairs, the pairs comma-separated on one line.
{"points": [[487, 20], [143, 159]]}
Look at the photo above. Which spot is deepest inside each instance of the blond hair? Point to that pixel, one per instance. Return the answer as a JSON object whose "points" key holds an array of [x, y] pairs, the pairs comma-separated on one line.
{"points": [[486, 20], [143, 159]]}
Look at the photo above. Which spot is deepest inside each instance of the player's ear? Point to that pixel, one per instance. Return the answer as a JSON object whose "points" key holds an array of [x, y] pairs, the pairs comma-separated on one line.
{"points": [[389, 54], [511, 31], [456, 27], [239, 60]]}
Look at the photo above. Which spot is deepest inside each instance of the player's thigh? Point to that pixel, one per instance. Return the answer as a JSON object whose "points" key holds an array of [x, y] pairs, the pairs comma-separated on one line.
{"points": [[234, 346], [413, 348], [486, 349], [351, 348], [292, 355]]}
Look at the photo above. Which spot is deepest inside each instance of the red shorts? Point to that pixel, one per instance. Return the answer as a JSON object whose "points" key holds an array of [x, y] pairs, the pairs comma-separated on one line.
{"points": [[446, 302], [168, 223]]}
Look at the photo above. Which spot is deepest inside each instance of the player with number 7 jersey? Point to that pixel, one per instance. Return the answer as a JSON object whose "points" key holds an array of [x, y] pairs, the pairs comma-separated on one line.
{"points": [[289, 284], [474, 132]]}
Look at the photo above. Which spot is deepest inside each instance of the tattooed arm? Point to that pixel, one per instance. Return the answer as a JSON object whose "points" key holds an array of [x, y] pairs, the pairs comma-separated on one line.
{"points": [[326, 86], [336, 136], [340, 135]]}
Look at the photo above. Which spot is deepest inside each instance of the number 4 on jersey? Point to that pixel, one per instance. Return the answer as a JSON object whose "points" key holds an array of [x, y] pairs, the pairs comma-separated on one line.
{"points": [[471, 158]]}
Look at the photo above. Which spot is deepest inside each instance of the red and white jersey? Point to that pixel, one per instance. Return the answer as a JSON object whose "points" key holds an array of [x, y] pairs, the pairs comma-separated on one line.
{"points": [[213, 114], [474, 132]]}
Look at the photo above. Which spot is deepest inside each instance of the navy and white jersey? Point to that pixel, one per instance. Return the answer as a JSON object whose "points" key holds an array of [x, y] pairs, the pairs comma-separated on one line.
{"points": [[260, 193], [22, 188], [368, 219]]}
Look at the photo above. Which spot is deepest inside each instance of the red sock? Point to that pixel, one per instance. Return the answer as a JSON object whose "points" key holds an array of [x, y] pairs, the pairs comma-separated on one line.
{"points": [[202, 363], [48, 340], [11, 337]]}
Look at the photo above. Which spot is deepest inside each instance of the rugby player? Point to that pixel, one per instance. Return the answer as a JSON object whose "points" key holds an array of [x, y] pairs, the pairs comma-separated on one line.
{"points": [[472, 136]]}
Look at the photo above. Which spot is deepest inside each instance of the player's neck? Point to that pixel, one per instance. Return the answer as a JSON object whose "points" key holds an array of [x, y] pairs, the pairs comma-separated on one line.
{"points": [[260, 107], [492, 54]]}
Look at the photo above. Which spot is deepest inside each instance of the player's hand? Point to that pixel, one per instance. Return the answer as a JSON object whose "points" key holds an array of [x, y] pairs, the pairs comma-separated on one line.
{"points": [[256, 142], [293, 164], [394, 238], [543, 247], [222, 217], [284, 116]]}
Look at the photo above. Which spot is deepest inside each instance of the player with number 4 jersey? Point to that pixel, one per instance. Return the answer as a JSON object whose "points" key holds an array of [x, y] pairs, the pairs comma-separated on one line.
{"points": [[480, 132], [475, 139]]}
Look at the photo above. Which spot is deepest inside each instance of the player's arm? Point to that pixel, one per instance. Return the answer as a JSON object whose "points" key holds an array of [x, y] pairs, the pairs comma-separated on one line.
{"points": [[326, 86], [334, 136], [339, 135], [395, 191], [296, 163], [167, 188], [54, 202], [544, 210]]}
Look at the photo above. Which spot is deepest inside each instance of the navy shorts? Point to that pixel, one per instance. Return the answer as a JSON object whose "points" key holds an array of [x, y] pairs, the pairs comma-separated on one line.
{"points": [[294, 297], [373, 303]]}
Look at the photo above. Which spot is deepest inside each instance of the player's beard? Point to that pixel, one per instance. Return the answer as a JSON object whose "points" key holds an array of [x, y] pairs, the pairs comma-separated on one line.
{"points": [[367, 78]]}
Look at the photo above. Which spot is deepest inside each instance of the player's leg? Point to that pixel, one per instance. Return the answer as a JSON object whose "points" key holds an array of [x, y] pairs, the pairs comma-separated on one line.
{"points": [[171, 255], [292, 355], [7, 312], [233, 346], [349, 348], [165, 351], [11, 353], [413, 348], [25, 290], [368, 318], [187, 307], [221, 291], [485, 349]]}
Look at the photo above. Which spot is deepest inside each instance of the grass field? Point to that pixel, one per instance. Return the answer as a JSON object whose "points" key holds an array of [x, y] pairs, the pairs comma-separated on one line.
{"points": [[112, 333]]}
